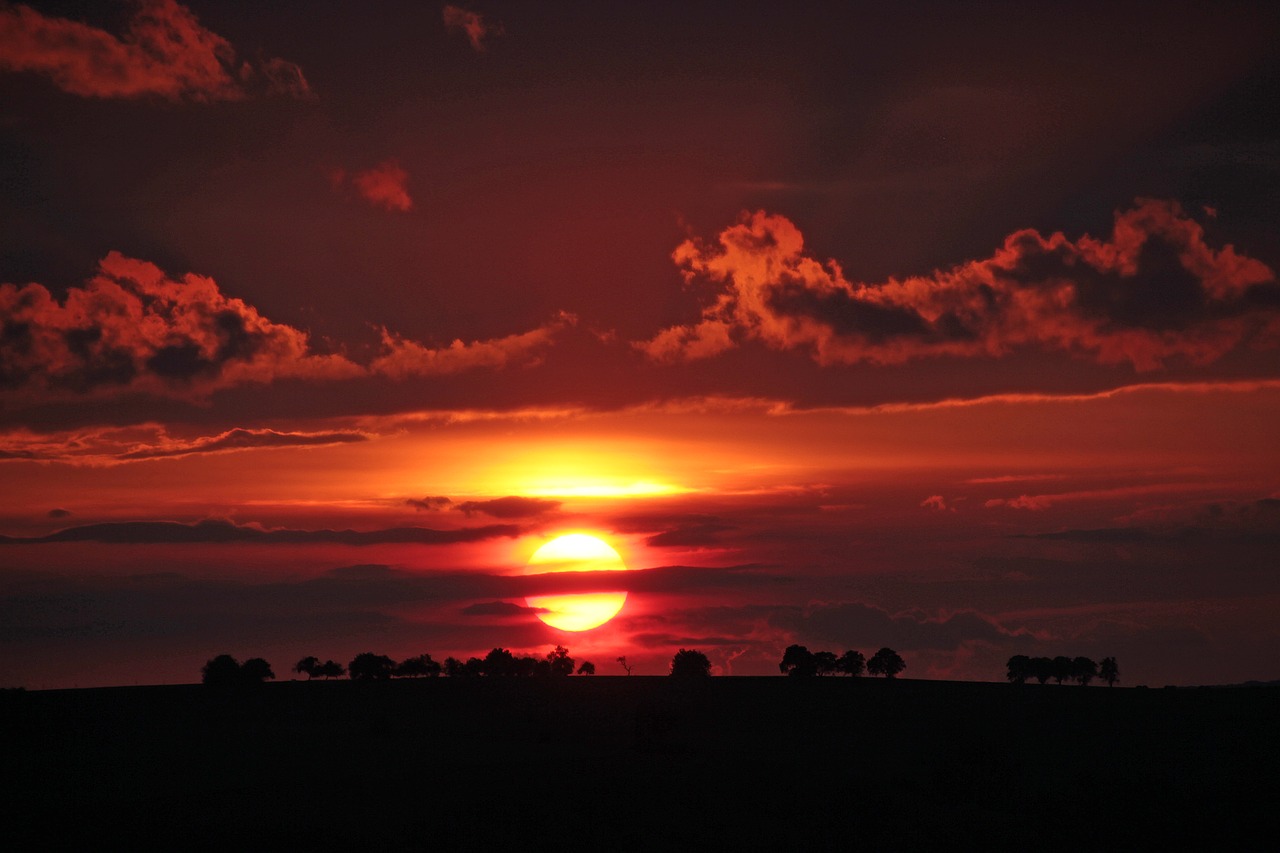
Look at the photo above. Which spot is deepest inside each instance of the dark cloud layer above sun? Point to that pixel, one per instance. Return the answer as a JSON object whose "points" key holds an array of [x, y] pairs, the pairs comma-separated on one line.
{"points": [[219, 530], [1153, 291], [164, 53]]}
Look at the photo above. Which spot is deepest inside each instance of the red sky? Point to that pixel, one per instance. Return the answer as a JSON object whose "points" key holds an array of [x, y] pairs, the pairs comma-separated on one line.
{"points": [[953, 332]]}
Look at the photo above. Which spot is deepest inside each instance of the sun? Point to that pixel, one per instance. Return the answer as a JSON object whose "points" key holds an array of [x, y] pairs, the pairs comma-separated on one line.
{"points": [[576, 552]]}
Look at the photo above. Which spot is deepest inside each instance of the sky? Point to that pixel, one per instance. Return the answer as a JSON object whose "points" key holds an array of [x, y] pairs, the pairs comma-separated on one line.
{"points": [[945, 328]]}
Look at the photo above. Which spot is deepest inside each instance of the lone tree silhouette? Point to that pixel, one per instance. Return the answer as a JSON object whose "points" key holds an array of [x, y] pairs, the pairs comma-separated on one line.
{"points": [[309, 666], [798, 661], [370, 667], [587, 668], [222, 671], [689, 663], [622, 659], [256, 671], [1109, 671], [851, 663], [886, 662]]}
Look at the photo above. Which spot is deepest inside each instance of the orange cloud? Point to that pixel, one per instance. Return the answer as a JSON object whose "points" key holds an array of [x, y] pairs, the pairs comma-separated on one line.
{"points": [[384, 185], [1152, 291], [131, 327], [402, 358], [477, 29], [164, 52]]}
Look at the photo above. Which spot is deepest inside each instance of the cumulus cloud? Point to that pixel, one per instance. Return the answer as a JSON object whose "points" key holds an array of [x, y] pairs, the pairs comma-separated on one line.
{"points": [[1152, 291], [132, 327], [937, 503], [401, 357], [472, 24], [164, 52], [384, 185]]}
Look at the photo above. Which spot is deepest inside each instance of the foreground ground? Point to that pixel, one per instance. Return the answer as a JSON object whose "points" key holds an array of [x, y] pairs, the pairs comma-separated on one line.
{"points": [[639, 763]]}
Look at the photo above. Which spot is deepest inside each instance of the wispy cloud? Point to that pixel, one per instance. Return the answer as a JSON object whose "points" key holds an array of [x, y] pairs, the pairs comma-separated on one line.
{"points": [[384, 185], [473, 25]]}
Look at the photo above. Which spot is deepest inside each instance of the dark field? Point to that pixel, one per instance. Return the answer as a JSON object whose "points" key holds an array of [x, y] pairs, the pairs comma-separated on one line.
{"points": [[651, 763]]}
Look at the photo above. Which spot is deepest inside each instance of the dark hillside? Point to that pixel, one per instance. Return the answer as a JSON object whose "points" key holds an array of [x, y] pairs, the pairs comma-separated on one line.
{"points": [[616, 762]]}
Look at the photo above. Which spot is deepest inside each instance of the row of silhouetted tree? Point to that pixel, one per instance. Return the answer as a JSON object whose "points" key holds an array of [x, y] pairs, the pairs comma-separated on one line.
{"points": [[498, 663], [1062, 668], [799, 661]]}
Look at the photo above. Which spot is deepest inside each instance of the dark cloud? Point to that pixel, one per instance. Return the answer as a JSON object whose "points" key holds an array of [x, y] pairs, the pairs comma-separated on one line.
{"points": [[430, 503], [499, 608], [861, 626], [219, 530], [1244, 522], [164, 52], [1154, 290], [511, 506], [689, 536], [59, 513]]}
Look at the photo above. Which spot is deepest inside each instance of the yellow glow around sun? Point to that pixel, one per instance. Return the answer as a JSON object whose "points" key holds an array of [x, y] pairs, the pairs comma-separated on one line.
{"points": [[576, 552]]}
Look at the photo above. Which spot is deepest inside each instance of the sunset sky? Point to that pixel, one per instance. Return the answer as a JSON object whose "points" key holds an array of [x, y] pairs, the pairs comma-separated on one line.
{"points": [[951, 329]]}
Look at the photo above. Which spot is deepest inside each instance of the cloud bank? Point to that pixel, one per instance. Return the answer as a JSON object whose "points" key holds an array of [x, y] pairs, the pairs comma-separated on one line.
{"points": [[133, 328], [164, 52], [1154, 290]]}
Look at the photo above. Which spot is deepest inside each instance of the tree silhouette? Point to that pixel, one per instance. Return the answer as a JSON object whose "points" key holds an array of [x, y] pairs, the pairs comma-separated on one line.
{"points": [[1041, 669], [421, 666], [370, 667], [453, 667], [309, 666], [851, 663], [1084, 670], [1019, 669], [825, 662], [587, 668], [256, 671], [886, 662], [499, 663], [222, 671], [622, 659], [1062, 669], [559, 662], [689, 663], [331, 669], [798, 661], [1109, 671]]}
